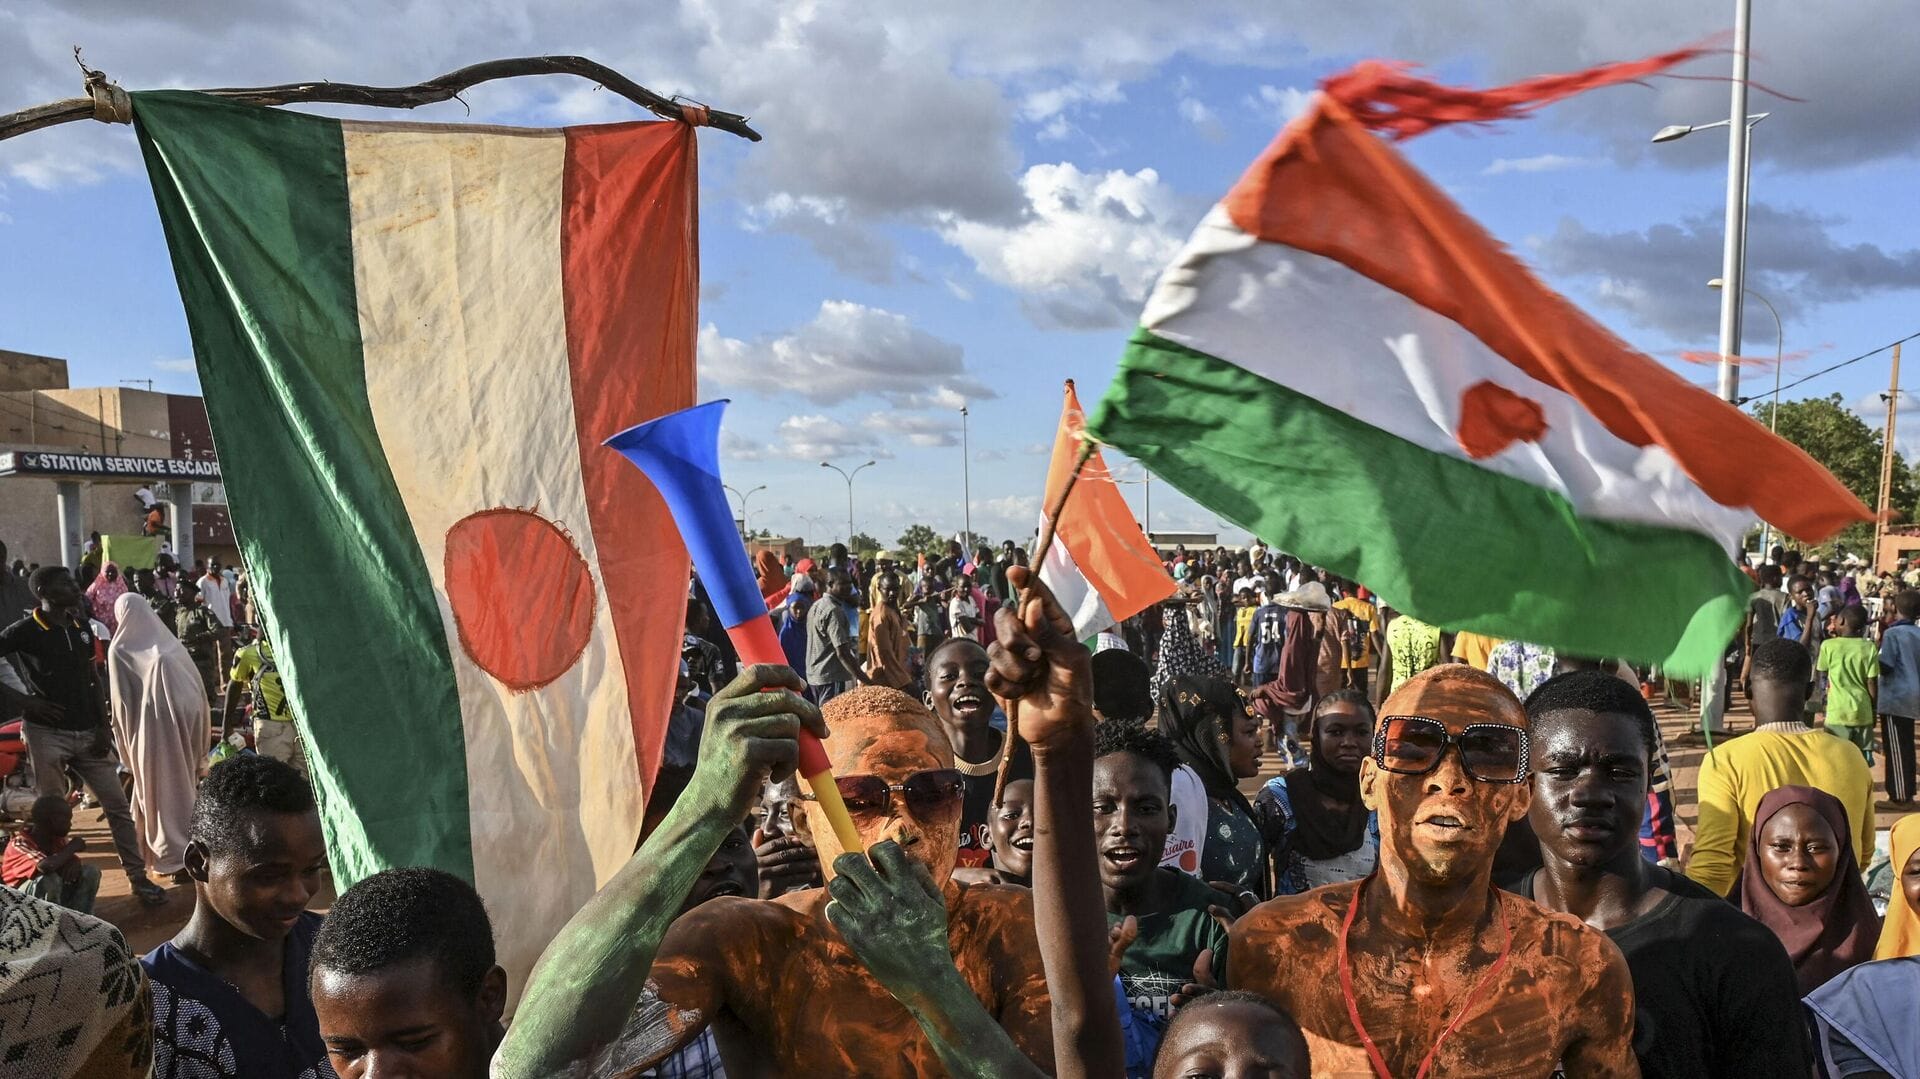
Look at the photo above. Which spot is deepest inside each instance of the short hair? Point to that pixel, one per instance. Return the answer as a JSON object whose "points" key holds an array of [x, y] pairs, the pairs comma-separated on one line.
{"points": [[1769, 576], [1598, 692], [1853, 617], [44, 576], [1122, 686], [47, 803], [400, 915], [1798, 579], [1289, 1028], [836, 574], [950, 642], [236, 789], [1119, 736], [1782, 660], [1907, 602]]}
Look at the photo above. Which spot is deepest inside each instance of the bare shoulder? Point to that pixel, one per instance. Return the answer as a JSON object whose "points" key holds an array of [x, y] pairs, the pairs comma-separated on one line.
{"points": [[1274, 944], [737, 929], [996, 916], [1564, 945]]}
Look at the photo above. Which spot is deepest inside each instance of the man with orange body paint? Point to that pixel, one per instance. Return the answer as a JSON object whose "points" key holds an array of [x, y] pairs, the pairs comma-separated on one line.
{"points": [[1423, 968]]}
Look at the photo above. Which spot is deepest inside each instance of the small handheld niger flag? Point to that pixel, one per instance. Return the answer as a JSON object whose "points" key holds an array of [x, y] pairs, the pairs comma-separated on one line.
{"points": [[1346, 364], [1100, 566]]}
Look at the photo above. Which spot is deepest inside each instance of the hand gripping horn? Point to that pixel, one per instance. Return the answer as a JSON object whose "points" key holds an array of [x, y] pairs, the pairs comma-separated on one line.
{"points": [[680, 453]]}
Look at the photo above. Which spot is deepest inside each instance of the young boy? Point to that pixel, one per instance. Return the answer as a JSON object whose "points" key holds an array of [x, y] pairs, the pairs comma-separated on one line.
{"points": [[957, 695], [1232, 1034], [1898, 698], [1852, 666], [403, 978], [1242, 631], [232, 985], [1011, 831], [44, 858], [1132, 812]]}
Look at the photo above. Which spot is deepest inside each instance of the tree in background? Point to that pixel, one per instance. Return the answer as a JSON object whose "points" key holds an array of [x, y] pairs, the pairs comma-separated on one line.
{"points": [[862, 545], [1850, 448], [919, 539]]}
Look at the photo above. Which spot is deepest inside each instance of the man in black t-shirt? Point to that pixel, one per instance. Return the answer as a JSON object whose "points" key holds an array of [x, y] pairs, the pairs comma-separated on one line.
{"points": [[1714, 991], [66, 717]]}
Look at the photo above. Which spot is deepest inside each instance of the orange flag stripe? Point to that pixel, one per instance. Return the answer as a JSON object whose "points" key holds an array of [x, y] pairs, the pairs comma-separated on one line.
{"points": [[1097, 526]]}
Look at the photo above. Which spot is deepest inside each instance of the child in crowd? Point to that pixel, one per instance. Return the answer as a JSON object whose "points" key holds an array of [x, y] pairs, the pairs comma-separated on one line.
{"points": [[1178, 917], [1242, 634], [230, 989], [1011, 831], [43, 860], [1852, 666], [957, 694], [1232, 1034], [404, 981]]}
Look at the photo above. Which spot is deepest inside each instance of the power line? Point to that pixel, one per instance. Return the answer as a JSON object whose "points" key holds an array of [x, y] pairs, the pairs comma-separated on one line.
{"points": [[1827, 370]]}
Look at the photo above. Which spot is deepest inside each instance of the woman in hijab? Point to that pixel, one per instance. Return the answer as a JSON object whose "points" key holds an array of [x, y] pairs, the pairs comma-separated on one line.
{"points": [[105, 590], [1217, 737], [1900, 936], [1316, 828], [1863, 1018], [1801, 881], [161, 720]]}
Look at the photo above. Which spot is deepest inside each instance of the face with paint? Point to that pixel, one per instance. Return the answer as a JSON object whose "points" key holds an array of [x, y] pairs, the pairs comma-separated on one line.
{"points": [[883, 734], [1443, 826]]}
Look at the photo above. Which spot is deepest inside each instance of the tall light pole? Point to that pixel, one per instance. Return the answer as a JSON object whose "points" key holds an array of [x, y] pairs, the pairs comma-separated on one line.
{"points": [[743, 502], [1733, 251], [848, 476], [817, 524], [1773, 414], [966, 479]]}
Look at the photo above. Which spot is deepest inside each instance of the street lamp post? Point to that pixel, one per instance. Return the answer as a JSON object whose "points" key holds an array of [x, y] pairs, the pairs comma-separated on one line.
{"points": [[966, 479], [1773, 414], [848, 476], [744, 520]]}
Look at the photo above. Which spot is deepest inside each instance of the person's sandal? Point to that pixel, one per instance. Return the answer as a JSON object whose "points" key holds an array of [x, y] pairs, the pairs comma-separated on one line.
{"points": [[148, 892]]}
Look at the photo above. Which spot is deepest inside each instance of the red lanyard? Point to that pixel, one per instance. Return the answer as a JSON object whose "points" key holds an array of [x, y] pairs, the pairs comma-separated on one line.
{"points": [[1353, 1006]]}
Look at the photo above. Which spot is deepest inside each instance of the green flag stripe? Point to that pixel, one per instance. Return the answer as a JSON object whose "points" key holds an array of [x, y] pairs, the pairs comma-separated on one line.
{"points": [[1441, 538], [254, 205]]}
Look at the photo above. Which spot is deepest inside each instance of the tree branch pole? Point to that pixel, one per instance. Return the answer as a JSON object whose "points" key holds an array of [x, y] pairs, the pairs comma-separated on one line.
{"points": [[108, 103], [1040, 548]]}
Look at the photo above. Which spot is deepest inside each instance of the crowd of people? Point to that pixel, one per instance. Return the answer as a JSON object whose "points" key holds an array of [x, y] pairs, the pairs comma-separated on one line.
{"points": [[1468, 862]]}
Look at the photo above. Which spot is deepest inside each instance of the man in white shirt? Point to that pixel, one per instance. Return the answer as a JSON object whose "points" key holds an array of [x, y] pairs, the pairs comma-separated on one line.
{"points": [[218, 596]]}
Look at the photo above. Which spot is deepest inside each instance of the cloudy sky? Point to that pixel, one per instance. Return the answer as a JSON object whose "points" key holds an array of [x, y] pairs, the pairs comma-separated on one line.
{"points": [[966, 203]]}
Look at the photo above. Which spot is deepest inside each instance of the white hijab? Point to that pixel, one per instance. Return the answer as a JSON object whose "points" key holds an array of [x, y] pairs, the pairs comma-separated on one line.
{"points": [[161, 720]]}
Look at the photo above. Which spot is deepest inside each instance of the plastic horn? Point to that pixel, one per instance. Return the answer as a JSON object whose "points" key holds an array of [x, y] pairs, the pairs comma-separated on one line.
{"points": [[680, 453]]}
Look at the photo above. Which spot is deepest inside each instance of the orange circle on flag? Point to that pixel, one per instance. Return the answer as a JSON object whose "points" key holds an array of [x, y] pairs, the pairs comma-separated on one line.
{"points": [[522, 595]]}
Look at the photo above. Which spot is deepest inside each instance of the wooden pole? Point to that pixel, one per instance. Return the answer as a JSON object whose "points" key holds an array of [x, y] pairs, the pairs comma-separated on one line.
{"points": [[1886, 458]]}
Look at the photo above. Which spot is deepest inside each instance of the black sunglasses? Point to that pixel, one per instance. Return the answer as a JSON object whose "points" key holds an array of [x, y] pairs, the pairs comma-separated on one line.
{"points": [[1490, 752], [925, 792]]}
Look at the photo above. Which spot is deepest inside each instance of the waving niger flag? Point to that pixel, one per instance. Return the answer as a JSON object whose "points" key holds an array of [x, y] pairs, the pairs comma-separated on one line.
{"points": [[1100, 566], [413, 339], [1345, 363]]}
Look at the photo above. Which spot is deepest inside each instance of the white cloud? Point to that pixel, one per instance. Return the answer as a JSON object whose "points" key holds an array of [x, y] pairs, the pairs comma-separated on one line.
{"points": [[849, 350], [1035, 449], [185, 366], [957, 290], [1195, 112], [916, 428], [1089, 247], [826, 225], [1538, 163], [805, 438], [990, 455], [1054, 101], [1278, 104]]}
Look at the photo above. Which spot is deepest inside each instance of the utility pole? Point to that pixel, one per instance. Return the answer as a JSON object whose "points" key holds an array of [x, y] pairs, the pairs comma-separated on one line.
{"points": [[966, 480], [1886, 459], [1733, 254]]}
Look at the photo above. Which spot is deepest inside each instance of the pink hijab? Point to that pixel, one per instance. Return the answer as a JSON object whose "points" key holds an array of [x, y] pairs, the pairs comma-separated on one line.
{"points": [[102, 593]]}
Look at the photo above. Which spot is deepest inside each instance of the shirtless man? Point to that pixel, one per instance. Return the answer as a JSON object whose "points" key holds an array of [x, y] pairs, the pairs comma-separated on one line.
{"points": [[774, 979], [1436, 966]]}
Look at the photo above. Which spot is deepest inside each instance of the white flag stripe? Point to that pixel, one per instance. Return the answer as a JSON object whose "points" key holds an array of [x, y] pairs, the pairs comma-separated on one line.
{"points": [[464, 337]]}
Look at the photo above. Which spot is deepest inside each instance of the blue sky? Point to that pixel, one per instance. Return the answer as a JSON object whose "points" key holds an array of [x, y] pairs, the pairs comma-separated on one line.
{"points": [[969, 204]]}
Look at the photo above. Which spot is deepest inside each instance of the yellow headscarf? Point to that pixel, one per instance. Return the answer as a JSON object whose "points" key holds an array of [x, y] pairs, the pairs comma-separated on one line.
{"points": [[1900, 933]]}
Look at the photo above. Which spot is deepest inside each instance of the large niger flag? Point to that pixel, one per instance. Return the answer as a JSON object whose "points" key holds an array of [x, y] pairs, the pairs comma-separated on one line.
{"points": [[412, 339], [1100, 566], [1346, 364]]}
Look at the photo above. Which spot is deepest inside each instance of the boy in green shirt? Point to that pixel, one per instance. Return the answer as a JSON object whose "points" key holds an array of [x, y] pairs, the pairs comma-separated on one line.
{"points": [[1174, 913], [1852, 666]]}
